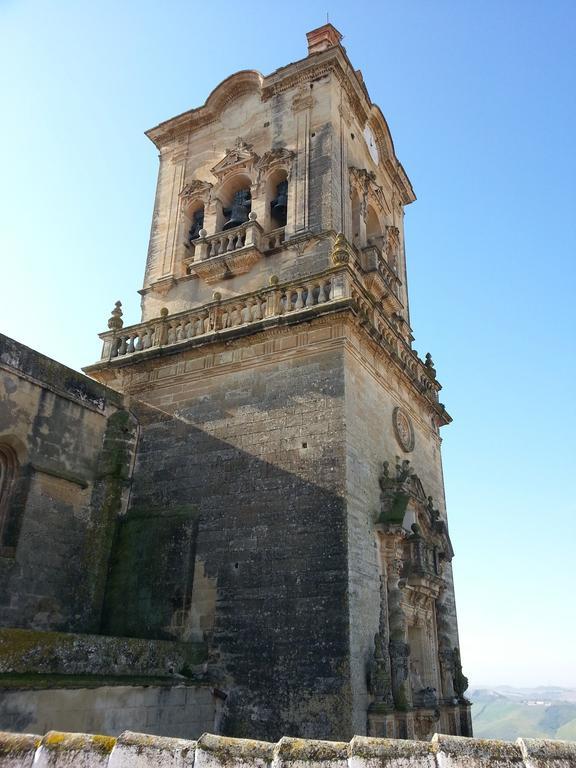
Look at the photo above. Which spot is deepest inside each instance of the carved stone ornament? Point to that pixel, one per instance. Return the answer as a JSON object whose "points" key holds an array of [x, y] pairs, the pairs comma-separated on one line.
{"points": [[403, 429], [364, 183], [195, 190], [341, 250], [274, 158], [239, 158]]}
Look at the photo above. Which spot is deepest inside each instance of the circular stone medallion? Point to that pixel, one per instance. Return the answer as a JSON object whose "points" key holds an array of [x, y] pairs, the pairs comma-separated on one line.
{"points": [[403, 429]]}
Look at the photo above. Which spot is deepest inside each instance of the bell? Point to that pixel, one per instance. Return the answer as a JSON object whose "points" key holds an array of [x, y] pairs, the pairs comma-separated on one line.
{"points": [[279, 206], [197, 224], [241, 207]]}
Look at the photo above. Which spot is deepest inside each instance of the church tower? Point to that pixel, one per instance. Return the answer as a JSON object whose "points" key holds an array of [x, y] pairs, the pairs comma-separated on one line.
{"points": [[283, 412]]}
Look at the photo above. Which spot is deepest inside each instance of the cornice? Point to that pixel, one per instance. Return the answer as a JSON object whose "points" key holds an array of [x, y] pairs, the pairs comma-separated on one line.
{"points": [[332, 61]]}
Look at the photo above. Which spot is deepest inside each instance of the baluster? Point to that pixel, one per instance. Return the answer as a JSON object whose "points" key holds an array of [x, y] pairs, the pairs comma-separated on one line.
{"points": [[310, 295], [299, 300], [115, 344], [130, 348], [257, 311], [238, 314], [230, 244], [322, 293], [288, 307], [138, 341], [122, 347]]}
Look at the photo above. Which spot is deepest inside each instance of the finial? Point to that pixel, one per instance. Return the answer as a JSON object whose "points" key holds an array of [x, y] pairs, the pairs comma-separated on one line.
{"points": [[252, 215], [340, 250], [115, 322], [202, 233], [216, 296], [429, 363], [164, 312], [273, 280]]}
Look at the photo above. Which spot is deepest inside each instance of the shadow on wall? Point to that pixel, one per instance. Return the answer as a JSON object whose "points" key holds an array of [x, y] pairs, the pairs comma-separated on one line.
{"points": [[246, 549]]}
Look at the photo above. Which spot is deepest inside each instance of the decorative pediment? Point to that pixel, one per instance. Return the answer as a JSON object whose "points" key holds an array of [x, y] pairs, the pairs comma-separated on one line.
{"points": [[195, 190], [364, 183], [400, 487], [239, 158], [428, 544], [274, 158]]}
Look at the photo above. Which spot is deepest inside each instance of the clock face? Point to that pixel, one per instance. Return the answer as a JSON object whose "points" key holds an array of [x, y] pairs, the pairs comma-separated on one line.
{"points": [[371, 143]]}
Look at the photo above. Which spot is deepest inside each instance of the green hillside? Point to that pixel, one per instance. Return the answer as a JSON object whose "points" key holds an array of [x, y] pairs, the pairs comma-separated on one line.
{"points": [[508, 715]]}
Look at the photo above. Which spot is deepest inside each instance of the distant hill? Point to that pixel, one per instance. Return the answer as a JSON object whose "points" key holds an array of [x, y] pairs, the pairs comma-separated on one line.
{"points": [[506, 712]]}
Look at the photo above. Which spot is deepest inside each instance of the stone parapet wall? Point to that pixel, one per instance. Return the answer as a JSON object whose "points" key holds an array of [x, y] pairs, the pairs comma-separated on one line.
{"points": [[182, 711], [134, 750]]}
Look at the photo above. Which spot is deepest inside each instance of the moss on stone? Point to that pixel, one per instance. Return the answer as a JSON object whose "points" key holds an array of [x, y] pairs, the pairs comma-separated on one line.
{"points": [[15, 744]]}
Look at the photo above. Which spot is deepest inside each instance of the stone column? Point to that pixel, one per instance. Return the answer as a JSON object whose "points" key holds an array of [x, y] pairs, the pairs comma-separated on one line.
{"points": [[445, 649], [398, 631]]}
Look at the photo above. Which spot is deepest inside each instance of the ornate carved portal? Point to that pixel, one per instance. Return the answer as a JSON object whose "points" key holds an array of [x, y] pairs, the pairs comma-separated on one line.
{"points": [[415, 675]]}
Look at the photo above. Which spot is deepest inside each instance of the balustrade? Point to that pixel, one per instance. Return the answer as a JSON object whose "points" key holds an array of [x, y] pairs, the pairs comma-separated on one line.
{"points": [[273, 239], [221, 243], [226, 242], [217, 316], [269, 302]]}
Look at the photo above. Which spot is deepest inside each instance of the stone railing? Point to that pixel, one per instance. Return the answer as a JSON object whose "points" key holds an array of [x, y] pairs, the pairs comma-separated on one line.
{"points": [[221, 315], [335, 288], [135, 750], [247, 235], [374, 258]]}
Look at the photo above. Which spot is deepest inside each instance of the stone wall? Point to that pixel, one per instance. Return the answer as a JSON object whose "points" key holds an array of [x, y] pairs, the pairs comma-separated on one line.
{"points": [[135, 750], [259, 452], [372, 394], [167, 710], [73, 443]]}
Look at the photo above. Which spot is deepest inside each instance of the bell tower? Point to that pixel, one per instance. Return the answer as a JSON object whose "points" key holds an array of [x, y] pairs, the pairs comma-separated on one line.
{"points": [[281, 406]]}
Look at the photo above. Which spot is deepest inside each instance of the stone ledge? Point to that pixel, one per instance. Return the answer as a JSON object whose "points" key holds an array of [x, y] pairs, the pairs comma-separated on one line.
{"points": [[135, 750], [24, 651]]}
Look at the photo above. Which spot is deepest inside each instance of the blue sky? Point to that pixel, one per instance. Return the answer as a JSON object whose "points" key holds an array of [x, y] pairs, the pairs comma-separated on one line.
{"points": [[481, 101]]}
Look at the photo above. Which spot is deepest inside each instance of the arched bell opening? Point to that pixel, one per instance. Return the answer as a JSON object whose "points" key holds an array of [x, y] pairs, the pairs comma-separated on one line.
{"points": [[374, 229], [195, 217], [277, 199], [235, 203]]}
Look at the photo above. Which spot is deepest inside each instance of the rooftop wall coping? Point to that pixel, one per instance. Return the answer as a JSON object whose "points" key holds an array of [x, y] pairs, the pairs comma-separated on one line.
{"points": [[51, 374], [136, 750]]}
